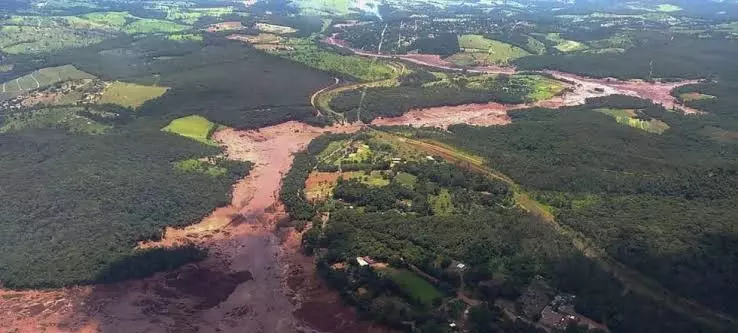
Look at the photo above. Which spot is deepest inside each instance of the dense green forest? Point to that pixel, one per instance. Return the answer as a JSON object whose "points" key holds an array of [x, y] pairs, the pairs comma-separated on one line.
{"points": [[445, 216], [655, 202], [83, 185], [81, 202]]}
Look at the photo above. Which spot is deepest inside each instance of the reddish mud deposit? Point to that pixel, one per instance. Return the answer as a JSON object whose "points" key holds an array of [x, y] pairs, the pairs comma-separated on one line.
{"points": [[444, 116], [252, 280], [584, 87]]}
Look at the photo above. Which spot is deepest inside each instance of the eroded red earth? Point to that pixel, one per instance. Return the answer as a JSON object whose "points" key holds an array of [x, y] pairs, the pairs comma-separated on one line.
{"points": [[255, 279]]}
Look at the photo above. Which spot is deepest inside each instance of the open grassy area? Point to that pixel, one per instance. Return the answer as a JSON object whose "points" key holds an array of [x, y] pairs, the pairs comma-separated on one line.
{"points": [[406, 179], [143, 26], [477, 50], [442, 204], [129, 94], [541, 87], [198, 166], [323, 7], [629, 118], [41, 78], [194, 127], [668, 8], [415, 286], [694, 96], [564, 45]]}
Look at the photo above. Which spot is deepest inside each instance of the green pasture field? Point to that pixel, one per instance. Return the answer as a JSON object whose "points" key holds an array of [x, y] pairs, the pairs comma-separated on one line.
{"points": [[564, 45], [477, 50], [41, 78], [374, 178], [694, 96], [22, 39], [406, 179], [129, 94], [144, 26], [442, 204], [324, 7], [67, 118], [628, 117], [414, 285], [194, 127], [542, 88], [668, 8], [198, 166]]}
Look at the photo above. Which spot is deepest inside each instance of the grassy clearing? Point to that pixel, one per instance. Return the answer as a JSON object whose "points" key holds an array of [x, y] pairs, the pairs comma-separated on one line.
{"points": [[415, 286], [324, 7], [185, 37], [542, 88], [668, 8], [41, 78], [64, 118], [274, 28], [406, 179], [630, 118], [194, 127], [35, 35], [477, 50], [442, 204], [145, 26], [564, 45], [361, 153], [373, 179], [198, 166], [694, 96], [129, 94]]}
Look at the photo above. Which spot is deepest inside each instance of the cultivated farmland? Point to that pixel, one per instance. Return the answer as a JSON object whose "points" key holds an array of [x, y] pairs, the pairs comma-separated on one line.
{"points": [[41, 78], [129, 94], [194, 127]]}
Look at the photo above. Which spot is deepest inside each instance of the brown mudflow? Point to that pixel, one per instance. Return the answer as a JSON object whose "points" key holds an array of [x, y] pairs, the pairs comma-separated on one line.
{"points": [[255, 280]]}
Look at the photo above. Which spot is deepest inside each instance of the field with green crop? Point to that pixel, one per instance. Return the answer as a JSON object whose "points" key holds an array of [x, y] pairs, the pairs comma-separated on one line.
{"points": [[415, 286], [564, 45], [129, 94], [200, 166], [41, 78], [144, 26], [630, 118], [477, 50], [194, 127]]}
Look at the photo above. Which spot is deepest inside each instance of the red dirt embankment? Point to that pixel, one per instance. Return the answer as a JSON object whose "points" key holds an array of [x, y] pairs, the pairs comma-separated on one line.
{"points": [[241, 287]]}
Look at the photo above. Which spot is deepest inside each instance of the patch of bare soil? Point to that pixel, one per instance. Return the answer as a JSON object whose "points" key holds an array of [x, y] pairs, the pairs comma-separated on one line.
{"points": [[473, 114], [240, 287], [658, 92], [225, 26]]}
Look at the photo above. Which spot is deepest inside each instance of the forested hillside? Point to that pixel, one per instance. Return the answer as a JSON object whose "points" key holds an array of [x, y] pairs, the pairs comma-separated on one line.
{"points": [[656, 202]]}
